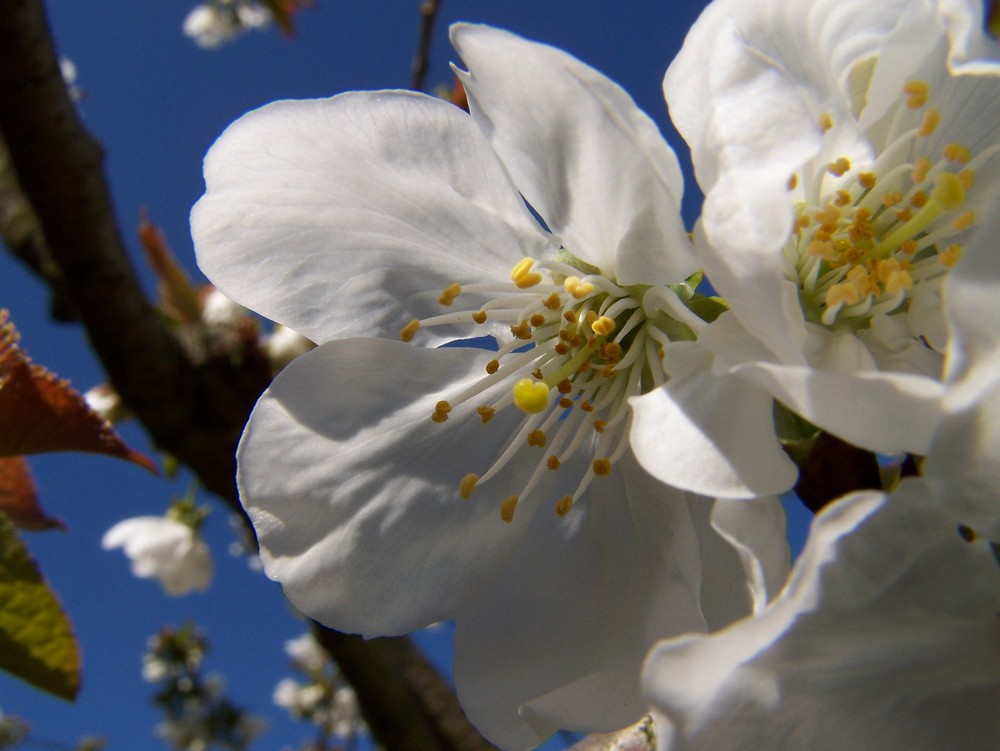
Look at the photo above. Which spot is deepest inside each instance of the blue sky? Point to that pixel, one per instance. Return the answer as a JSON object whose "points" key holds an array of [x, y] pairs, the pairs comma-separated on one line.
{"points": [[156, 102]]}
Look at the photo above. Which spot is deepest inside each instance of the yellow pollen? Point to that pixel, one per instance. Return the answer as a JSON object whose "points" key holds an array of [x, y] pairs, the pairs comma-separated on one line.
{"points": [[537, 319], [909, 247], [591, 316], [570, 316], [964, 220], [486, 413], [439, 417], [562, 348], [577, 288], [800, 223], [586, 406], [826, 121], [564, 505], [839, 167], [602, 467], [893, 276], [916, 94], [603, 326], [409, 330], [950, 255], [793, 181], [507, 508], [930, 122], [521, 331], [600, 425], [821, 249], [479, 317], [564, 386], [919, 200], [537, 373], [553, 463], [537, 438], [492, 366], [843, 293], [553, 301], [449, 293], [442, 406], [843, 198], [921, 166], [956, 152], [905, 215], [828, 215], [968, 178], [531, 396], [866, 180], [891, 198], [522, 267], [565, 402], [467, 485], [612, 351]]}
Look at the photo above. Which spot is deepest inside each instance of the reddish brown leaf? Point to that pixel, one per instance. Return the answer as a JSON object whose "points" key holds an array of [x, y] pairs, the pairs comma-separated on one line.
{"points": [[40, 413], [19, 496]]}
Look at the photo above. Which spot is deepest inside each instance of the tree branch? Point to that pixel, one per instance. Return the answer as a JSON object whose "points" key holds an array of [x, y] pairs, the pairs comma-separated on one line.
{"points": [[421, 60]]}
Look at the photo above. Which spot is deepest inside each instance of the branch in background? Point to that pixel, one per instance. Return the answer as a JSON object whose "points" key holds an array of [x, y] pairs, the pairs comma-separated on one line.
{"points": [[638, 737], [194, 408], [421, 61]]}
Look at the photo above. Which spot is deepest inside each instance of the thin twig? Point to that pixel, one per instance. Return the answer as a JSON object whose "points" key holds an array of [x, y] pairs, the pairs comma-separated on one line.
{"points": [[421, 61]]}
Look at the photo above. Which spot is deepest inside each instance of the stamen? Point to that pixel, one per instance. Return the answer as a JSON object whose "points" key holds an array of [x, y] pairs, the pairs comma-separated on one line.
{"points": [[929, 123], [449, 293], [553, 462], [602, 467], [408, 331], [522, 275], [507, 508], [603, 326], [485, 413], [840, 167], [564, 505], [467, 485], [479, 317], [537, 438], [917, 93]]}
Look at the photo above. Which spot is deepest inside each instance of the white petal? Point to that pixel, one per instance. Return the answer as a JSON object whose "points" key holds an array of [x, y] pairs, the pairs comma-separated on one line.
{"points": [[972, 50], [585, 157], [559, 639], [353, 489], [348, 216], [884, 412], [885, 639], [127, 529], [709, 434]]}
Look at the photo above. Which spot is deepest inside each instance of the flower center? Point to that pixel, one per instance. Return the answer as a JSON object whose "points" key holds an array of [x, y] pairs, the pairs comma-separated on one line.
{"points": [[864, 240], [579, 348]]}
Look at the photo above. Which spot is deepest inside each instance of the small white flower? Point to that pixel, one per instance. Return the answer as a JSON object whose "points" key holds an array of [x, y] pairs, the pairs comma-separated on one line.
{"points": [[284, 345], [213, 24], [306, 653], [164, 549], [219, 310]]}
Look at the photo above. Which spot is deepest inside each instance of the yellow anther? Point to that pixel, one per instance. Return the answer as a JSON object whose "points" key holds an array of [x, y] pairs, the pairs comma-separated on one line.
{"points": [[839, 167], [828, 215], [570, 316], [919, 199], [950, 255], [968, 178], [442, 406], [826, 121], [963, 221], [793, 181], [553, 301], [531, 396], [537, 319], [562, 348], [929, 123], [894, 276], [528, 280], [821, 249], [537, 373], [577, 288], [565, 402], [537, 438], [449, 293], [564, 386], [948, 192], [486, 413], [600, 425], [843, 293], [467, 485], [905, 215], [586, 406], [564, 505], [591, 316], [507, 508], [521, 331], [800, 223], [956, 152], [439, 417], [479, 317], [522, 267], [891, 198], [921, 166], [916, 94], [602, 467], [603, 326], [492, 366], [909, 247], [866, 180], [612, 351], [553, 462], [843, 198], [409, 330]]}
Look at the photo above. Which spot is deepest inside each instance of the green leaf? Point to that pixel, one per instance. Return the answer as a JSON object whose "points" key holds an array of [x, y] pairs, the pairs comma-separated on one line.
{"points": [[37, 643]]}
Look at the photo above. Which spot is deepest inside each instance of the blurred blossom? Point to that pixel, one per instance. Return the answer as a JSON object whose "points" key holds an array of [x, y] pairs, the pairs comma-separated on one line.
{"points": [[284, 345], [213, 24], [219, 310]]}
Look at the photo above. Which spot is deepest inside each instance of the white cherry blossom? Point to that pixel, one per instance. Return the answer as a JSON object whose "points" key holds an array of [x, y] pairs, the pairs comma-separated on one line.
{"points": [[847, 169], [164, 549], [394, 484]]}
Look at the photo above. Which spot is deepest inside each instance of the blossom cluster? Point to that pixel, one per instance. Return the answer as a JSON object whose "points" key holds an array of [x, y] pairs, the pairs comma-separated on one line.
{"points": [[586, 478]]}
